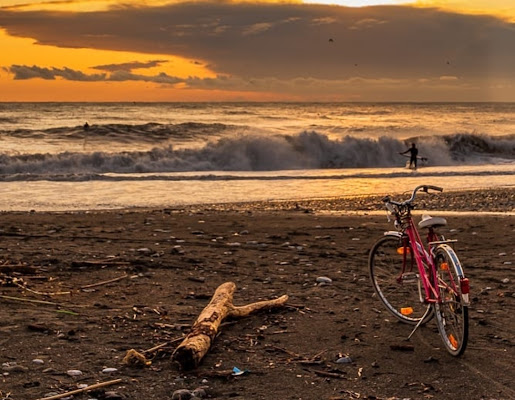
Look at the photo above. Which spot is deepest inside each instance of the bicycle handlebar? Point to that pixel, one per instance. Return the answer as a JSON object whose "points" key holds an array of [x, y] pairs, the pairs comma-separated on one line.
{"points": [[425, 188]]}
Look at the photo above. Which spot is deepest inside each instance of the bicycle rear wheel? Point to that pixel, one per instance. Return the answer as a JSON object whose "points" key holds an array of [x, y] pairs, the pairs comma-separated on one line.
{"points": [[398, 290], [451, 312]]}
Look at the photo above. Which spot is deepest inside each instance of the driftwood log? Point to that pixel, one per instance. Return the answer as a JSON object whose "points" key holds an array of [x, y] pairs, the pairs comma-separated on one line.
{"points": [[203, 332]]}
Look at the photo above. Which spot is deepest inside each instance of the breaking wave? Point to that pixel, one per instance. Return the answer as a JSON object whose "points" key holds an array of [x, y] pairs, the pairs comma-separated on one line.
{"points": [[308, 150]]}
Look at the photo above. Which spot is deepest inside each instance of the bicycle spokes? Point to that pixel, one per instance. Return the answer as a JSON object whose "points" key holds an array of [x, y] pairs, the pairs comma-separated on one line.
{"points": [[452, 307]]}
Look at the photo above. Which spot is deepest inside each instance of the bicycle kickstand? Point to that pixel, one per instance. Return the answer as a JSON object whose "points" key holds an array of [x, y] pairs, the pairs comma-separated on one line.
{"points": [[419, 323]]}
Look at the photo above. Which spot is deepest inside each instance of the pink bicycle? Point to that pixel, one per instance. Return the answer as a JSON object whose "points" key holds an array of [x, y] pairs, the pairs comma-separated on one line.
{"points": [[417, 281]]}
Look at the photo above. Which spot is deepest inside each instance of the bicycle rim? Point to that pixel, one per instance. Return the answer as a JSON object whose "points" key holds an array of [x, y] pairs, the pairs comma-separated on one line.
{"points": [[398, 290], [451, 314]]}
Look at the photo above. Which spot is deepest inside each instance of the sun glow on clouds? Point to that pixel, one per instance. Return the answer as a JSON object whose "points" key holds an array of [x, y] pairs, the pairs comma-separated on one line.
{"points": [[23, 52], [26, 51], [359, 3]]}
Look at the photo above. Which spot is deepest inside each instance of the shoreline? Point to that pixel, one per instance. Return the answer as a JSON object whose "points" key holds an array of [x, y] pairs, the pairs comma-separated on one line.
{"points": [[497, 200], [493, 201]]}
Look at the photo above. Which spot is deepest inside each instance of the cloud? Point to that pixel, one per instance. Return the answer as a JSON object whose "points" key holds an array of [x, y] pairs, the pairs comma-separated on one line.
{"points": [[130, 66], [366, 23], [300, 86], [22, 72], [281, 44], [448, 78]]}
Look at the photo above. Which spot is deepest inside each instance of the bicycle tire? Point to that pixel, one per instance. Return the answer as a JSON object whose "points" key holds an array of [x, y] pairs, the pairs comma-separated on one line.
{"points": [[399, 292], [451, 312]]}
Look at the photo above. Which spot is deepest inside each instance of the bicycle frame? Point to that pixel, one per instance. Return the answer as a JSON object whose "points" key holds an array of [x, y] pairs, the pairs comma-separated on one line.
{"points": [[422, 256]]}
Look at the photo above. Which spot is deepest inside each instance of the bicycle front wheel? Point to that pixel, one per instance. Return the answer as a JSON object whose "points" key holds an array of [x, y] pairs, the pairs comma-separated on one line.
{"points": [[451, 311], [395, 278]]}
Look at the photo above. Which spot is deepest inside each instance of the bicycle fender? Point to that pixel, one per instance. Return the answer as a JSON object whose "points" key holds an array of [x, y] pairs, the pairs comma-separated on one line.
{"points": [[393, 233], [455, 259]]}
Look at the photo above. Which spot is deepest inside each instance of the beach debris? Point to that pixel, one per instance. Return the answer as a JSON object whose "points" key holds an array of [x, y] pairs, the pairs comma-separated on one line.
{"points": [[98, 263], [134, 358], [326, 374], [203, 332], [104, 282], [237, 372], [82, 390]]}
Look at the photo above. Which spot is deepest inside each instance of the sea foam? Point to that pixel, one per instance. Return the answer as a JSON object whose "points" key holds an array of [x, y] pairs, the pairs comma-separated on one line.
{"points": [[246, 152]]}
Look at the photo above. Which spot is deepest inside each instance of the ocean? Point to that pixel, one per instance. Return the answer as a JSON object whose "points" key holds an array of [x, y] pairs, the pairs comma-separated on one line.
{"points": [[158, 155]]}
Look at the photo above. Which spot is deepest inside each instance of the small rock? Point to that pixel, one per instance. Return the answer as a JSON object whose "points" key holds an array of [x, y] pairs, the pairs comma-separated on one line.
{"points": [[74, 372], [109, 370], [13, 367], [344, 360], [38, 361], [182, 394], [324, 279], [199, 392], [506, 280]]}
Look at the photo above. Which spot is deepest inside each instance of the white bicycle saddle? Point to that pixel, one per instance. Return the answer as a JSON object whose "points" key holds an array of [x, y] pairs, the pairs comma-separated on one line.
{"points": [[428, 221]]}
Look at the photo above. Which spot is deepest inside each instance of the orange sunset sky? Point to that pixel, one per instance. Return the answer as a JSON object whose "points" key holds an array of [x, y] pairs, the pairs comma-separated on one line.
{"points": [[162, 50]]}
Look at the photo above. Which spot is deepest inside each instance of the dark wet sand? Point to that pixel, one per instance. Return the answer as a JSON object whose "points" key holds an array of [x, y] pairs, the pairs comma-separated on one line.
{"points": [[166, 265]]}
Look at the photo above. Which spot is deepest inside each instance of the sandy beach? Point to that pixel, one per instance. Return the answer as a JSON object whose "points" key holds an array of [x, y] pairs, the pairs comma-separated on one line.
{"points": [[80, 289]]}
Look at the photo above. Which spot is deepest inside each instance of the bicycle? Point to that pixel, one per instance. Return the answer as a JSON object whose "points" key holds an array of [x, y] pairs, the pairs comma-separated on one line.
{"points": [[417, 283]]}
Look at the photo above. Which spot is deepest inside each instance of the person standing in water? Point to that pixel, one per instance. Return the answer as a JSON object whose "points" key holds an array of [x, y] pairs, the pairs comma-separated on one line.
{"points": [[413, 155]]}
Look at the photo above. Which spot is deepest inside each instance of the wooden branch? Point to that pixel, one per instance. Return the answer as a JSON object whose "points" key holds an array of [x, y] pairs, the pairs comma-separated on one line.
{"points": [[105, 282], [203, 332], [51, 303], [86, 389]]}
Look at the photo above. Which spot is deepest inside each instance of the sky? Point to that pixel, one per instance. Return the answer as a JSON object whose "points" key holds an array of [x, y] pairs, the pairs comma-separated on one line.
{"points": [[232, 50]]}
